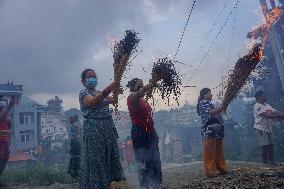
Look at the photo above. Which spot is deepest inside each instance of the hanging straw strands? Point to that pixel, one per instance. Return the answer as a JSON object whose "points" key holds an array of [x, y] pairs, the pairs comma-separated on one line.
{"points": [[121, 54], [215, 40], [181, 38], [170, 81], [208, 34], [242, 70], [224, 77]]}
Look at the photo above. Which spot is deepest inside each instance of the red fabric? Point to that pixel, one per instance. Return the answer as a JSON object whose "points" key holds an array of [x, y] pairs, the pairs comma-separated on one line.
{"points": [[141, 114], [4, 126]]}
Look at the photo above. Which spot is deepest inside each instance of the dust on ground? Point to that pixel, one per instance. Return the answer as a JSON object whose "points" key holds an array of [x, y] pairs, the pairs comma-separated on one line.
{"points": [[190, 175]]}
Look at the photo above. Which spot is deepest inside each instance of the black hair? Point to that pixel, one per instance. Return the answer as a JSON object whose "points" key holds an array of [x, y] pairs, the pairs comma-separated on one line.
{"points": [[259, 94], [202, 94], [131, 84], [84, 73]]}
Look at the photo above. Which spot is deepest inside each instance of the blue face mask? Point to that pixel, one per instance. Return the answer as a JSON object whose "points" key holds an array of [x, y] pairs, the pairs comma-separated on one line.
{"points": [[91, 82]]}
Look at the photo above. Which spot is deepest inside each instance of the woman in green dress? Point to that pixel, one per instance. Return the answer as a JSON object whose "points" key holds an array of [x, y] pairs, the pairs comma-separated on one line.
{"points": [[100, 164]]}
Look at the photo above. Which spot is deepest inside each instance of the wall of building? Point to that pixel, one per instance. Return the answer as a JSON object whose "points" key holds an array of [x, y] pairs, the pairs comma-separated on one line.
{"points": [[53, 131], [25, 128], [24, 132]]}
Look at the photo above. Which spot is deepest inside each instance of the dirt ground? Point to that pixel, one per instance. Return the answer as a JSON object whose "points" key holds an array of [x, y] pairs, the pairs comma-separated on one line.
{"points": [[190, 175]]}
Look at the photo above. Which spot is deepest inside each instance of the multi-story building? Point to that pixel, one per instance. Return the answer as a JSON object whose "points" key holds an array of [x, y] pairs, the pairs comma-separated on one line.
{"points": [[53, 131], [53, 125], [55, 107], [25, 120]]}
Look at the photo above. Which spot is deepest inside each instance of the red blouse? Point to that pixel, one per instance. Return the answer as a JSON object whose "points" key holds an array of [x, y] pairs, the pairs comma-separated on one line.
{"points": [[141, 114]]}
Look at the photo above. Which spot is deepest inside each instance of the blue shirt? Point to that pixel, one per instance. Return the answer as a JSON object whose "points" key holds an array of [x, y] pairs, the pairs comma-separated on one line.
{"points": [[212, 126]]}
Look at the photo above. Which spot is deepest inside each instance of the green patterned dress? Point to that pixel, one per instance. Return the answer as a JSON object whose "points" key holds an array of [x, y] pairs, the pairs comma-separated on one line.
{"points": [[100, 164]]}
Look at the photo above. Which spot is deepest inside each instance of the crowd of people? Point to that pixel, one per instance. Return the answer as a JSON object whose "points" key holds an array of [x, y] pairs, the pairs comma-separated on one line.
{"points": [[100, 154], [100, 164], [97, 158]]}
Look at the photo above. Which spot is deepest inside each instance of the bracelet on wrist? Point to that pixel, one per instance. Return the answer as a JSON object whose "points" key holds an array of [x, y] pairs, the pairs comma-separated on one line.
{"points": [[106, 92]]}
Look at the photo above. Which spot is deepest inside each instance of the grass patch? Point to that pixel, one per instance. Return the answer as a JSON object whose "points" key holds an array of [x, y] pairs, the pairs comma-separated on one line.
{"points": [[37, 176]]}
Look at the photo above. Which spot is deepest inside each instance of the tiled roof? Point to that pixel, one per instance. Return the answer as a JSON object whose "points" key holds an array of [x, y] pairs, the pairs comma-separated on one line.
{"points": [[21, 156]]}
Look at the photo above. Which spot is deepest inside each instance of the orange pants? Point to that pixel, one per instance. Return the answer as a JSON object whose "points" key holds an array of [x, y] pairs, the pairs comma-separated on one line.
{"points": [[213, 156]]}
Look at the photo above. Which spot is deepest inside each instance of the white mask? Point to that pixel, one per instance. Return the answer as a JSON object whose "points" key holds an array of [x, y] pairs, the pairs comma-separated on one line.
{"points": [[3, 104]]}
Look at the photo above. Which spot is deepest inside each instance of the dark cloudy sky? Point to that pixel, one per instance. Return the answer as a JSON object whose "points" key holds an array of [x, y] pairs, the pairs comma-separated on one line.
{"points": [[45, 44]]}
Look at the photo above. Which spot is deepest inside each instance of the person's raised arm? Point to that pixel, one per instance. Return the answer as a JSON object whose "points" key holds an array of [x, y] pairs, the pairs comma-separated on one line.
{"points": [[134, 96], [89, 100], [280, 115], [4, 113], [273, 115]]}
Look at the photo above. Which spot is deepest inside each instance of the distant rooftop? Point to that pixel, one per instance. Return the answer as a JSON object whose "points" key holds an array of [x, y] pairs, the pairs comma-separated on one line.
{"points": [[56, 100], [10, 87], [21, 156]]}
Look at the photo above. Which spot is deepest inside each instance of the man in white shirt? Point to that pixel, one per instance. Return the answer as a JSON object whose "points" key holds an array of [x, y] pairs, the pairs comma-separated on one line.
{"points": [[264, 114]]}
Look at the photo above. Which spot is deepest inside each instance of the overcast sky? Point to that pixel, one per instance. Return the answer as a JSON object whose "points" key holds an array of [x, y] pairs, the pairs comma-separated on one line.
{"points": [[45, 44]]}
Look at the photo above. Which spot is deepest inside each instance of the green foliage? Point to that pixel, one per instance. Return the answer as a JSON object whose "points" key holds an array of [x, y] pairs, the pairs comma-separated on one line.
{"points": [[249, 146], [37, 176], [232, 146], [278, 141], [250, 151]]}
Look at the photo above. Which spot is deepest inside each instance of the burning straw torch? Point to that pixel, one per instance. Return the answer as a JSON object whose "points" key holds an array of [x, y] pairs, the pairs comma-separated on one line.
{"points": [[122, 52]]}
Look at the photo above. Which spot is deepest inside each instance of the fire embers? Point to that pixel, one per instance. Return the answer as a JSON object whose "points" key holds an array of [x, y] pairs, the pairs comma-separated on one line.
{"points": [[122, 51], [262, 31], [170, 81], [241, 73]]}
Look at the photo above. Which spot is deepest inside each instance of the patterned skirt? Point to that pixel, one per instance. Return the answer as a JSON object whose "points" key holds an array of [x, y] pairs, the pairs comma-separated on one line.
{"points": [[100, 163]]}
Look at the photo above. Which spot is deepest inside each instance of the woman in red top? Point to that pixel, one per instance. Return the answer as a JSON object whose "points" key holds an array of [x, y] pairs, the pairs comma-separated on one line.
{"points": [[4, 131], [144, 136]]}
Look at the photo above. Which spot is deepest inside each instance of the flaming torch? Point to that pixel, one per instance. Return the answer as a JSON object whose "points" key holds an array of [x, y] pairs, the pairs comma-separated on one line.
{"points": [[170, 81], [241, 72], [122, 52]]}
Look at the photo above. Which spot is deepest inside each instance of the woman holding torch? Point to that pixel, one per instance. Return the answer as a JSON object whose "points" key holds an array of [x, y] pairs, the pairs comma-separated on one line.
{"points": [[100, 164], [144, 135], [212, 134]]}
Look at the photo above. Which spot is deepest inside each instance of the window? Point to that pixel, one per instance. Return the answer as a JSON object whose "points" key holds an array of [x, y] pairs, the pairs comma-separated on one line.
{"points": [[64, 137], [57, 137], [48, 138], [47, 131], [26, 117], [27, 136]]}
